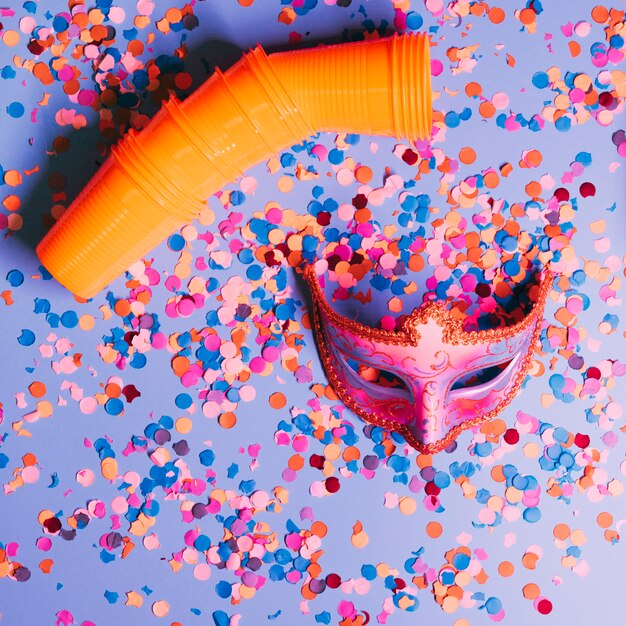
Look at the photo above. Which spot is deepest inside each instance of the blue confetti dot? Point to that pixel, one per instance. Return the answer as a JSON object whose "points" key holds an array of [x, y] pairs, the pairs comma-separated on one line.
{"points": [[223, 589], [15, 278], [202, 543], [493, 606], [114, 406], [452, 119], [368, 571], [220, 618], [540, 80], [183, 401], [414, 20], [176, 242], [15, 109], [69, 319], [563, 124], [532, 514], [27, 337], [461, 561], [207, 457]]}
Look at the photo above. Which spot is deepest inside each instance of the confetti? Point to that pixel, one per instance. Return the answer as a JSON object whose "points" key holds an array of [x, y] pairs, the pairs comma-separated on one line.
{"points": [[117, 413]]}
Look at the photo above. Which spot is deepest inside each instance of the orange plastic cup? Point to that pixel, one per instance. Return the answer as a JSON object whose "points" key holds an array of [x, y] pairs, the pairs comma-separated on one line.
{"points": [[157, 180], [378, 87]]}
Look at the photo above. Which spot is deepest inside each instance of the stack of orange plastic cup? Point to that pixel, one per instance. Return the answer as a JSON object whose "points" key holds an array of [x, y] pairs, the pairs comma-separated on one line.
{"points": [[157, 180]]}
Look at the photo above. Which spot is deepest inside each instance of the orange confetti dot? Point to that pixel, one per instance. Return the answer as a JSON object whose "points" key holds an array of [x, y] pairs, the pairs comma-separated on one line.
{"points": [[533, 158], [533, 189], [574, 48], [37, 389], [122, 308], [180, 364], [319, 529], [278, 400], [531, 591], [173, 15], [362, 215], [527, 16], [183, 80], [506, 569], [561, 531], [529, 560], [11, 203], [467, 155], [227, 420], [296, 462], [486, 109], [473, 89], [491, 180], [434, 529], [604, 519], [29, 459], [46, 565], [246, 3], [599, 14], [113, 390], [363, 174], [496, 15], [12, 178]]}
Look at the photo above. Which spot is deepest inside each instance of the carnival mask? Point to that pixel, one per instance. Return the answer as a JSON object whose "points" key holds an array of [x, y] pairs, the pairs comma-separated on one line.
{"points": [[430, 379]]}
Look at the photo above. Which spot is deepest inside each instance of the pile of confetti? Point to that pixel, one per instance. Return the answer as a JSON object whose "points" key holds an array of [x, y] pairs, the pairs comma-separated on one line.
{"points": [[171, 451]]}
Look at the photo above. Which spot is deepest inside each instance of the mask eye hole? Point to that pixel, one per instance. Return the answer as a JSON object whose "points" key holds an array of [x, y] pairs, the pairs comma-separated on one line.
{"points": [[380, 377], [481, 376]]}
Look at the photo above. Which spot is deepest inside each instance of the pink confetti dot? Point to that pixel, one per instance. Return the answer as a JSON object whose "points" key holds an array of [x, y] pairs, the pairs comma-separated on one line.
{"points": [[500, 100], [271, 354], [436, 67], [202, 571], [88, 405], [44, 543]]}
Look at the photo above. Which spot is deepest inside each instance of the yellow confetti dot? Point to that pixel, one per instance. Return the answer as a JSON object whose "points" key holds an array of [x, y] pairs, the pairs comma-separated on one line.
{"points": [[407, 505], [160, 608], [108, 468], [86, 322], [183, 425], [285, 184], [450, 604], [11, 38]]}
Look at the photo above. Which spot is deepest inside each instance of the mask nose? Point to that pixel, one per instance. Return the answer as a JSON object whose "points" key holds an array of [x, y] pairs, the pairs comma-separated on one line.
{"points": [[429, 413]]}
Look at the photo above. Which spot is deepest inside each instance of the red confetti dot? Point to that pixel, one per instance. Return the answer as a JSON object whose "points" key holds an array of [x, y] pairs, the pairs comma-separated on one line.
{"points": [[323, 218], [409, 157], [52, 525], [544, 606], [511, 436], [332, 484], [431, 489], [581, 440], [316, 461], [561, 194], [400, 584], [359, 201], [333, 581], [587, 189], [594, 372]]}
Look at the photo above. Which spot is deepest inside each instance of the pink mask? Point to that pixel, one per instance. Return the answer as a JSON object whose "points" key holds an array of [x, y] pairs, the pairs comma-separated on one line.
{"points": [[421, 362]]}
